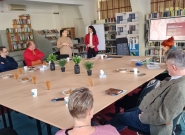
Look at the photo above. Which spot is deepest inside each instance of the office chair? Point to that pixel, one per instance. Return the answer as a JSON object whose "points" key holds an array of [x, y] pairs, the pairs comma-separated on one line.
{"points": [[62, 56], [122, 47]]}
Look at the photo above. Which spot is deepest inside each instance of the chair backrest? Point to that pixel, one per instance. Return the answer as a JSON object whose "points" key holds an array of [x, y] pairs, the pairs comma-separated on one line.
{"points": [[146, 90], [63, 56], [176, 120], [122, 47]]}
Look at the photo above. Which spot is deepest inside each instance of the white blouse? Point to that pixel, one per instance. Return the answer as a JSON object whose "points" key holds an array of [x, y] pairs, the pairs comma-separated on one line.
{"points": [[90, 41]]}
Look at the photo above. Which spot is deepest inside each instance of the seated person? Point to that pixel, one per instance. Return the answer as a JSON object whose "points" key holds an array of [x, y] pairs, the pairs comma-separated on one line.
{"points": [[32, 55], [167, 45], [6, 63], [159, 107], [80, 106]]}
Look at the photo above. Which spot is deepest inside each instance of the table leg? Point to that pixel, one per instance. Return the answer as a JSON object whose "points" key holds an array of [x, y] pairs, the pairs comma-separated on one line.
{"points": [[49, 129], [3, 116], [9, 117], [39, 127]]}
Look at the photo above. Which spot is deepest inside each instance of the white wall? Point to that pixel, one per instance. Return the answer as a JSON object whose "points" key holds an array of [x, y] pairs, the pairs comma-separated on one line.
{"points": [[69, 14], [42, 16]]}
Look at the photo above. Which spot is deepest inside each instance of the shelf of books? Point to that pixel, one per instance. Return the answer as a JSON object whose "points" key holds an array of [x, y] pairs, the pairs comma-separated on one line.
{"points": [[20, 34], [51, 35], [170, 12], [127, 25], [110, 36], [154, 48]]}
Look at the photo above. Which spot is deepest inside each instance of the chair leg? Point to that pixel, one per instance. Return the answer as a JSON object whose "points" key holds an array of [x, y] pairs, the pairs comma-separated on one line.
{"points": [[9, 117], [117, 109], [3, 116]]}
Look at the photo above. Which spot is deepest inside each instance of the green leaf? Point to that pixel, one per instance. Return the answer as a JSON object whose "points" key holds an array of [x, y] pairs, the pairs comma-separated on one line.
{"points": [[88, 65], [52, 57], [62, 62], [76, 59]]}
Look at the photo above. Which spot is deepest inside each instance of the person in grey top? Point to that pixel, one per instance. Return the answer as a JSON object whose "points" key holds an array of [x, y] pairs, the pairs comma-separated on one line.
{"points": [[159, 107]]}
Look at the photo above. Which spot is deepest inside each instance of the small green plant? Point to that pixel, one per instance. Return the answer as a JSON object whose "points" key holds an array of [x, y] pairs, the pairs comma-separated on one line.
{"points": [[52, 58], [62, 62], [76, 59], [88, 65]]}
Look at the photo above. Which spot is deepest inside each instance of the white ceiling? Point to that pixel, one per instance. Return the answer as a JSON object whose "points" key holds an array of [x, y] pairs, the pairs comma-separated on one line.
{"points": [[62, 2]]}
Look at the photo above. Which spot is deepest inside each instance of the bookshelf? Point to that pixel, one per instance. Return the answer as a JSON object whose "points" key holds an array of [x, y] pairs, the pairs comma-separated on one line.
{"points": [[110, 36], [71, 32], [127, 25], [20, 34], [51, 35], [162, 9]]}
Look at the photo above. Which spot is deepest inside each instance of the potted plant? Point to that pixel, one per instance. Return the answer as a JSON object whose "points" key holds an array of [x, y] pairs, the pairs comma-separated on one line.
{"points": [[76, 60], [88, 66], [62, 63], [52, 58]]}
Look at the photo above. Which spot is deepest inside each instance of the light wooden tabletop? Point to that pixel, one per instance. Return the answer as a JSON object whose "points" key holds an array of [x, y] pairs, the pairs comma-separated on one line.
{"points": [[17, 95]]}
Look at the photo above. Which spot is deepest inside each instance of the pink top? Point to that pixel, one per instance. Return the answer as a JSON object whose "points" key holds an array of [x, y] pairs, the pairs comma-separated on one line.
{"points": [[100, 130]]}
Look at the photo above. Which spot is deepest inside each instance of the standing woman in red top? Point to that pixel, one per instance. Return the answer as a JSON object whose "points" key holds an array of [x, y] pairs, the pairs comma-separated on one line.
{"points": [[91, 42]]}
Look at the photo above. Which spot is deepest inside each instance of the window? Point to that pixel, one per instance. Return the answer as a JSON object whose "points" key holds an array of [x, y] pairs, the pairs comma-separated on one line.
{"points": [[162, 5], [108, 8]]}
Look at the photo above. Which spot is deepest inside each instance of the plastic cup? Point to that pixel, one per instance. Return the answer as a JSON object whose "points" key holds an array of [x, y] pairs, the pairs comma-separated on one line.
{"points": [[133, 63], [66, 99], [68, 58], [25, 68], [147, 61], [101, 56], [34, 92], [135, 70]]}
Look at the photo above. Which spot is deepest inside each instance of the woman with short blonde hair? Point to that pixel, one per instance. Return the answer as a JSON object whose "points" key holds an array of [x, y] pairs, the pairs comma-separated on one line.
{"points": [[80, 106]]}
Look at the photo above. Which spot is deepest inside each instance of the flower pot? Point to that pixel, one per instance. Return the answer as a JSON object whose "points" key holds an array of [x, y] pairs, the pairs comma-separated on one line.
{"points": [[52, 66], [89, 72], [77, 69], [63, 69]]}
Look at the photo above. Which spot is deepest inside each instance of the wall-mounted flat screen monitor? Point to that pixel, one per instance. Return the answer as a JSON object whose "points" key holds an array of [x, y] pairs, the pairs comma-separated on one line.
{"points": [[163, 28]]}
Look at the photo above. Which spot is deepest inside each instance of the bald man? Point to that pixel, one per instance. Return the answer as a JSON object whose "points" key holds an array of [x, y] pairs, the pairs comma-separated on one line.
{"points": [[32, 55]]}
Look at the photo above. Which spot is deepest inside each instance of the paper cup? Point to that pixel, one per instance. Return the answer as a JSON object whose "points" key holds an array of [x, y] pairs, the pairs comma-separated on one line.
{"points": [[101, 56], [68, 58], [25, 68], [135, 70], [34, 92], [66, 100]]}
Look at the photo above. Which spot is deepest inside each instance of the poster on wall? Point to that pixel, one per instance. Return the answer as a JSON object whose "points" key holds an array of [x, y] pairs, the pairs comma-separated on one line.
{"points": [[134, 46], [101, 35], [161, 29], [134, 50]]}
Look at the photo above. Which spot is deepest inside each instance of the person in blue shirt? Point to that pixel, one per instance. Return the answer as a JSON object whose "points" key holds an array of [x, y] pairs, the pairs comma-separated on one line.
{"points": [[6, 63]]}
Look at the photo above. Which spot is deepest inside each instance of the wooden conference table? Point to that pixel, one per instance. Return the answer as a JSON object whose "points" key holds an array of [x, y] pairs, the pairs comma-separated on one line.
{"points": [[17, 95]]}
